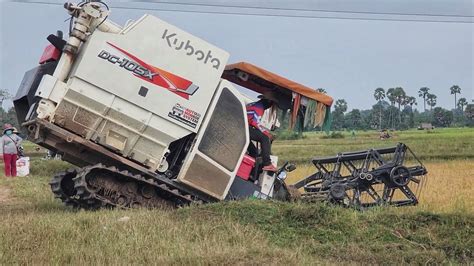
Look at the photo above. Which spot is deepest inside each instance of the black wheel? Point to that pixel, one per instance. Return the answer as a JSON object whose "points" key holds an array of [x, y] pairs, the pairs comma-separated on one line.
{"points": [[122, 201], [337, 192], [400, 176], [148, 192]]}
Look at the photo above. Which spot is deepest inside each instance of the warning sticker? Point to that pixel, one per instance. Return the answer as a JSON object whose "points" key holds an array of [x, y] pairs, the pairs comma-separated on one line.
{"points": [[185, 115]]}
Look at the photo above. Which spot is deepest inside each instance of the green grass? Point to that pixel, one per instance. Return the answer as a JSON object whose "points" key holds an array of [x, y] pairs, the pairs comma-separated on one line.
{"points": [[35, 228], [38, 229], [378, 236], [440, 144]]}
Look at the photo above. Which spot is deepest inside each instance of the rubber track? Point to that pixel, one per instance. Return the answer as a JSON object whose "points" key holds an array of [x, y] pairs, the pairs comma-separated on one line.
{"points": [[57, 189], [69, 198], [90, 196]]}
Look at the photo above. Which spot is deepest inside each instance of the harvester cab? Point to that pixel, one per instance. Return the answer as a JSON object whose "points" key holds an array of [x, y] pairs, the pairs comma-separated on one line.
{"points": [[149, 116], [302, 103]]}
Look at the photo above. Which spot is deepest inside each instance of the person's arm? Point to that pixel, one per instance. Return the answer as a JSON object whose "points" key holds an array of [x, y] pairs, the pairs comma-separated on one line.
{"points": [[252, 115], [1, 147], [266, 132], [255, 123], [18, 140], [252, 121]]}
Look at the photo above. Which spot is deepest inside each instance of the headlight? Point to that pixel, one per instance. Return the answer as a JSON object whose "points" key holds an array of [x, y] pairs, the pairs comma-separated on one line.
{"points": [[282, 175]]}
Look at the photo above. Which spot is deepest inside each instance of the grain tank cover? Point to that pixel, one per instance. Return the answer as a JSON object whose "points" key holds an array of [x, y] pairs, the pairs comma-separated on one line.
{"points": [[138, 90], [156, 65]]}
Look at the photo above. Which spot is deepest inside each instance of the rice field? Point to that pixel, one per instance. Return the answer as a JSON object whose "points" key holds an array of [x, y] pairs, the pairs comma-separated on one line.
{"points": [[36, 229]]}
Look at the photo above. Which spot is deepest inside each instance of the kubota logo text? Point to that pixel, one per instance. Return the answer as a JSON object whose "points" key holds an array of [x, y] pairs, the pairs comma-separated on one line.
{"points": [[206, 57], [157, 76]]}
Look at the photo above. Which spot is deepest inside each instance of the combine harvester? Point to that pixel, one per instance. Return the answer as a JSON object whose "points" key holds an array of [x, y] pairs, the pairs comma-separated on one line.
{"points": [[149, 115]]}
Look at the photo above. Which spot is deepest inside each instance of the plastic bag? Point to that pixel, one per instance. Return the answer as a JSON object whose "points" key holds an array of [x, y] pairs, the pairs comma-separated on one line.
{"points": [[23, 166]]}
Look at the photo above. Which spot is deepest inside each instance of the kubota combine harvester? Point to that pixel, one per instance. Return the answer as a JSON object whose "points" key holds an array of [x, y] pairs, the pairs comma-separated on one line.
{"points": [[149, 115]]}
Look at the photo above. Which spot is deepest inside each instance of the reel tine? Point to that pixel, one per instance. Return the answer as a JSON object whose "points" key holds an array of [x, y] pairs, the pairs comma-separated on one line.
{"points": [[369, 178]]}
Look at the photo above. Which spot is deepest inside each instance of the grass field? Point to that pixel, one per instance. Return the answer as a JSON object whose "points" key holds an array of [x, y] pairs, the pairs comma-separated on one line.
{"points": [[37, 229], [439, 144]]}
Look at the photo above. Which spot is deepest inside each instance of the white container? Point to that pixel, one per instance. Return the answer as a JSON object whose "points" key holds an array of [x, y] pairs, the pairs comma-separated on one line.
{"points": [[23, 166]]}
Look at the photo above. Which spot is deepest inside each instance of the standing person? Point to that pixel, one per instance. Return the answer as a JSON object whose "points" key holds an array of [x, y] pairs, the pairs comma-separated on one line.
{"points": [[9, 143], [258, 132]]}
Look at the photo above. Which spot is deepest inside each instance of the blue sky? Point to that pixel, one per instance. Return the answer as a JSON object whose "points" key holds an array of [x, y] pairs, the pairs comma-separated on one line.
{"points": [[349, 58]]}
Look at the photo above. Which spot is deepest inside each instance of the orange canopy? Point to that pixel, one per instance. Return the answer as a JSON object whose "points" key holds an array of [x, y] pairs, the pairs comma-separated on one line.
{"points": [[262, 81]]}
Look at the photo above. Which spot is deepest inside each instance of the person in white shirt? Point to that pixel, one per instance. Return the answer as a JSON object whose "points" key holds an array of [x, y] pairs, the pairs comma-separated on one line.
{"points": [[9, 144]]}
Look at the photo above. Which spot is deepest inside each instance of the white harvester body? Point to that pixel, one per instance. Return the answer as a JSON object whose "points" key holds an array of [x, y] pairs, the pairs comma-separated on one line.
{"points": [[138, 89]]}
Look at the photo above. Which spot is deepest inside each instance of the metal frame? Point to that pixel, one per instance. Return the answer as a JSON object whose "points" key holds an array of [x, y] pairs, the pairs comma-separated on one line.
{"points": [[351, 178]]}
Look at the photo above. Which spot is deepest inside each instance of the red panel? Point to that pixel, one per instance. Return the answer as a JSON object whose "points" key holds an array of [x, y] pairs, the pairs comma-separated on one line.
{"points": [[246, 167], [50, 53]]}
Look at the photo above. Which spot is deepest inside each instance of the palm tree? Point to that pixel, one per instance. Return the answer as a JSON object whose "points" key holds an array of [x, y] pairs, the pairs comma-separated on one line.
{"points": [[379, 95], [431, 100], [461, 103], [341, 106], [392, 99], [322, 90], [400, 96], [455, 89], [410, 100], [391, 96], [423, 92]]}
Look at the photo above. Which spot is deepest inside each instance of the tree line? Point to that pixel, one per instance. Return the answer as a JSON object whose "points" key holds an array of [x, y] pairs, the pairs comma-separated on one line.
{"points": [[394, 109]]}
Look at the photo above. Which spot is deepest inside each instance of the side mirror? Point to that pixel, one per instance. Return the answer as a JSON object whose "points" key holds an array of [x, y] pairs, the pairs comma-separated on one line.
{"points": [[287, 167], [290, 167]]}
